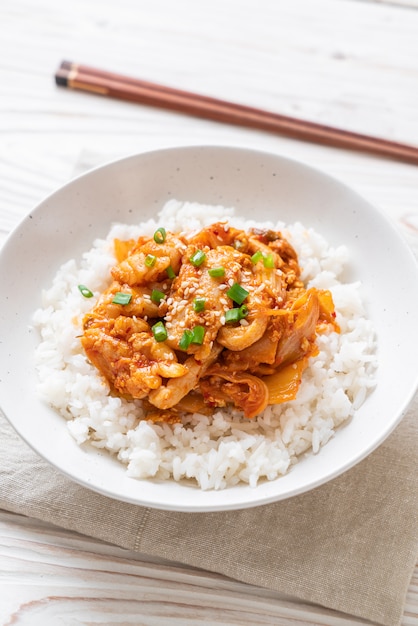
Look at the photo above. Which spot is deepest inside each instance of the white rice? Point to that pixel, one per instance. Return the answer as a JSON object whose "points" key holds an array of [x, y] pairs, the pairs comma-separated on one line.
{"points": [[224, 449]]}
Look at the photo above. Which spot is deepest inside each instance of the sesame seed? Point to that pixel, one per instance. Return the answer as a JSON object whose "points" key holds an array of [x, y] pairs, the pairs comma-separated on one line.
{"points": [[244, 323], [223, 286], [230, 282], [222, 320]]}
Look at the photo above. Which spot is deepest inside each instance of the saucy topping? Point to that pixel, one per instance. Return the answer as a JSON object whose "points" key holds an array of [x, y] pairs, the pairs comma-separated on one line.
{"points": [[213, 319]]}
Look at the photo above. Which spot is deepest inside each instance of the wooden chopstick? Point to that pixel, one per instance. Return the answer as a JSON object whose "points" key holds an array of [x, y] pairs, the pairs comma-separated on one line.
{"points": [[112, 85]]}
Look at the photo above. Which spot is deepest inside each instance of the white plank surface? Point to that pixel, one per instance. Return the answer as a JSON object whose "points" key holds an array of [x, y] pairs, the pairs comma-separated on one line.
{"points": [[50, 576], [349, 63]]}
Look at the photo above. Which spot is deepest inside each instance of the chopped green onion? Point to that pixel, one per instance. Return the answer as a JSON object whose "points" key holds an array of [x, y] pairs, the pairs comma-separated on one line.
{"points": [[186, 340], [217, 272], [150, 260], [197, 258], [170, 272], [198, 334], [157, 296], [160, 235], [85, 291], [231, 316], [257, 256], [268, 261], [159, 331], [237, 293], [236, 315], [192, 336], [199, 304], [122, 298]]}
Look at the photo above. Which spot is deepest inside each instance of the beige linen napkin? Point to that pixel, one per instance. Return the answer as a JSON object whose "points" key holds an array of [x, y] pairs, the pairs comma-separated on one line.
{"points": [[349, 545]]}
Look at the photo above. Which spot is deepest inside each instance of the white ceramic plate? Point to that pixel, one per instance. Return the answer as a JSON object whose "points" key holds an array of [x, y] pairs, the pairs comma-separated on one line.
{"points": [[257, 184]]}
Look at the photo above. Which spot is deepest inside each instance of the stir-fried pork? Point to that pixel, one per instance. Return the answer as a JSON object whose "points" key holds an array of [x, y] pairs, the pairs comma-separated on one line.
{"points": [[213, 319]]}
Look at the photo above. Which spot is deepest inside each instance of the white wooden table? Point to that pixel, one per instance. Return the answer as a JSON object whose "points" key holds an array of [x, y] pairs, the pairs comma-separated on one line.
{"points": [[348, 63]]}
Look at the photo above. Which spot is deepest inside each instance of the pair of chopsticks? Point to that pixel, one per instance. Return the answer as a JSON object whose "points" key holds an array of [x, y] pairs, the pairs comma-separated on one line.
{"points": [[121, 87]]}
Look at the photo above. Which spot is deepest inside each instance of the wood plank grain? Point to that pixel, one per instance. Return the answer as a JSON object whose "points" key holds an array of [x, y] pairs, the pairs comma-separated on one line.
{"points": [[288, 59], [42, 568], [407, 4]]}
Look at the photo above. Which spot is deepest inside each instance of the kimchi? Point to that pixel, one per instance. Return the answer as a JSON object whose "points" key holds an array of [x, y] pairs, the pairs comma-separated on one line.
{"points": [[196, 322]]}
